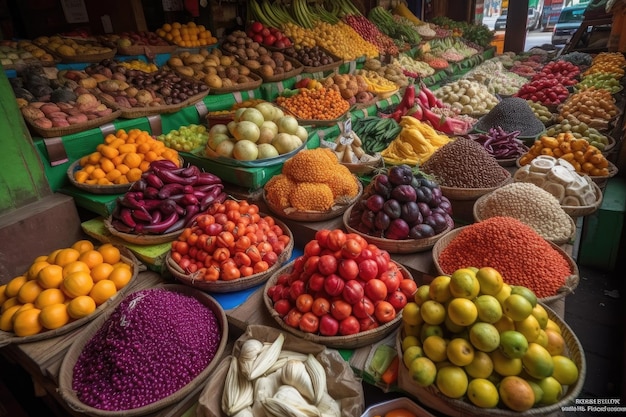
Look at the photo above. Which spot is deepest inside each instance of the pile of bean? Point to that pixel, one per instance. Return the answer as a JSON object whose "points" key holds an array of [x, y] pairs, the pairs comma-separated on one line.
{"points": [[153, 344], [512, 114], [532, 205], [464, 163], [513, 248]]}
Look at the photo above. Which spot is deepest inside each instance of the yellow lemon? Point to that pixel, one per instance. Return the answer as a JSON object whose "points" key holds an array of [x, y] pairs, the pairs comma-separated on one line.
{"points": [[481, 366], [490, 280], [483, 393], [452, 381], [464, 284], [433, 312], [565, 370], [462, 311], [460, 351], [439, 289], [435, 348]]}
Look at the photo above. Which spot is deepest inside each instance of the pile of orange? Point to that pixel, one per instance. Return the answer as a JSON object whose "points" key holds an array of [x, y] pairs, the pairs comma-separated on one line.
{"points": [[65, 285], [122, 158], [186, 35]]}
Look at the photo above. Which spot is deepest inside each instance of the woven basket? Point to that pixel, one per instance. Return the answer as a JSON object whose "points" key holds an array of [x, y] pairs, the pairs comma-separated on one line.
{"points": [[297, 68], [456, 193], [397, 246], [210, 154], [571, 281], [128, 258], [479, 215], [366, 167], [255, 83], [314, 216], [146, 49], [361, 339], [597, 179], [239, 284], [434, 399], [90, 58], [95, 189], [578, 211], [155, 239], [69, 361], [54, 132]]}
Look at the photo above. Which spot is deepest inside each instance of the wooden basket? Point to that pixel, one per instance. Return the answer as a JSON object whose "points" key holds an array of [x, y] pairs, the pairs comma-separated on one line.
{"points": [[136, 112], [90, 58], [598, 179], [54, 132], [578, 211], [146, 49], [69, 361], [251, 85], [314, 216], [571, 281], [365, 338], [242, 283], [365, 167], [434, 399], [397, 246], [128, 258], [146, 239], [297, 69], [95, 189], [456, 193], [478, 212]]}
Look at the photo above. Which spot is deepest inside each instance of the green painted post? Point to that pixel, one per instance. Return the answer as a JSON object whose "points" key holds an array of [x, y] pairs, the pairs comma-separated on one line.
{"points": [[22, 178]]}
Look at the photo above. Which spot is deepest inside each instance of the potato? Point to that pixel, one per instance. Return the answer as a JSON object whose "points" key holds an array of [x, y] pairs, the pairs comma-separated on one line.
{"points": [[42, 122], [31, 112], [49, 108], [78, 118], [59, 122]]}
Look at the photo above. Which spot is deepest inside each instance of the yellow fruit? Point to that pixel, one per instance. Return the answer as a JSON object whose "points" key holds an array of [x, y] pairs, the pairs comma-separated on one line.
{"points": [[513, 344], [91, 258], [460, 351], [517, 307], [411, 330], [481, 366], [541, 315], [552, 390], [556, 343], [83, 245], [552, 325], [490, 280], [542, 339], [66, 255], [452, 381], [3, 296], [505, 323], [102, 271], [422, 294], [411, 314], [14, 285], [26, 322], [54, 316], [53, 256], [110, 253], [462, 311], [484, 336], [120, 276], [35, 268], [77, 284], [435, 348], [423, 371], [433, 312], [452, 326], [525, 292], [483, 393], [516, 393], [409, 341], [75, 267], [505, 366], [51, 276], [537, 390], [49, 296], [464, 284], [81, 306], [504, 292], [102, 291], [29, 292], [537, 361], [488, 307], [565, 370], [439, 289], [6, 319], [410, 354], [529, 327], [8, 303]]}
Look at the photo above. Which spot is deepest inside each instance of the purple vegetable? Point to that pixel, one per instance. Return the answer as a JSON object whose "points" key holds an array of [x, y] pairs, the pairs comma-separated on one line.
{"points": [[400, 175], [404, 193], [382, 186], [381, 221], [375, 202], [392, 208], [424, 194], [410, 212], [398, 229], [421, 231], [424, 209], [367, 219]]}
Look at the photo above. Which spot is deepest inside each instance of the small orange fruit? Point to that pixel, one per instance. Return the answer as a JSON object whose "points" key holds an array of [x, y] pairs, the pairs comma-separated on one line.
{"points": [[91, 258], [49, 296], [110, 253], [75, 267], [81, 306], [41, 258], [121, 277], [50, 276], [52, 257], [54, 316], [29, 292], [66, 255], [6, 319], [34, 269], [101, 271], [13, 286], [102, 291], [76, 284], [26, 322], [3, 296], [83, 246], [10, 302]]}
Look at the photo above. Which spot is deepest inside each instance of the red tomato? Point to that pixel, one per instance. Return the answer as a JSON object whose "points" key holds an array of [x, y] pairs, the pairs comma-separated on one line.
{"points": [[349, 325], [327, 264], [295, 289], [316, 282], [309, 323], [333, 285], [352, 292], [408, 287], [368, 269], [320, 306], [312, 248], [397, 299], [336, 239], [304, 302], [351, 249], [376, 290], [329, 326], [391, 280], [384, 312], [282, 306], [364, 308], [293, 318], [270, 257], [340, 309], [348, 269], [311, 265], [360, 239], [368, 323], [322, 236]]}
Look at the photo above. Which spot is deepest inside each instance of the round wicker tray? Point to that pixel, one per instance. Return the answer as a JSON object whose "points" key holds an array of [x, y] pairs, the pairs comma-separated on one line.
{"points": [[314, 216], [433, 398], [141, 239], [95, 189], [67, 366], [75, 128], [571, 281], [243, 283], [366, 167], [128, 258], [578, 211], [397, 246], [339, 342], [455, 193], [479, 215], [597, 179], [256, 82]]}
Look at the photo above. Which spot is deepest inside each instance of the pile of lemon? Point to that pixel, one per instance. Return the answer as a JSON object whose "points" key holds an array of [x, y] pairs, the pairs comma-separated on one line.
{"points": [[67, 284], [478, 338]]}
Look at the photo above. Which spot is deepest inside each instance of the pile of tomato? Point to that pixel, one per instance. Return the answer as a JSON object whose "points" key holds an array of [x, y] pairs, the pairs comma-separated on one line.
{"points": [[230, 240], [340, 285]]}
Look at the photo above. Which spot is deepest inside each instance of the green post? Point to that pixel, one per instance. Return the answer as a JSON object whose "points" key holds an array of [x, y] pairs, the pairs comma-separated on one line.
{"points": [[22, 178]]}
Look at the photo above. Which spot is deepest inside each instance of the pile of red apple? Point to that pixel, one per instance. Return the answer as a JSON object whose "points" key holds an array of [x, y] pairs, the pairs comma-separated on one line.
{"points": [[563, 71], [340, 285], [144, 38], [547, 91], [268, 36]]}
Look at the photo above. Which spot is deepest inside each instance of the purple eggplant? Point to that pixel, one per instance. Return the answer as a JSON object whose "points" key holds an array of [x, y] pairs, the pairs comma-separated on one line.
{"points": [[206, 178]]}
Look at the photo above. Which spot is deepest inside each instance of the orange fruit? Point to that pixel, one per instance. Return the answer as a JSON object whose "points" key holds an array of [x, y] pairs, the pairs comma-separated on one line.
{"points": [[41, 258], [54, 316], [26, 322], [10, 302], [102, 291], [76, 284], [13, 286], [29, 292], [83, 245], [49, 296], [110, 254], [65, 256], [91, 258], [75, 267], [3, 296], [53, 256], [81, 306], [101, 271], [121, 277], [51, 276], [6, 319], [34, 269]]}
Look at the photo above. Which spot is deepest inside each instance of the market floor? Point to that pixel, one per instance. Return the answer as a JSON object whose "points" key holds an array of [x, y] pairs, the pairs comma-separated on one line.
{"points": [[595, 312]]}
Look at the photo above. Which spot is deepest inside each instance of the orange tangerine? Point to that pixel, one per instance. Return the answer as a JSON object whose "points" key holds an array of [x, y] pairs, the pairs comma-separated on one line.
{"points": [[74, 267], [26, 322], [121, 277], [41, 258], [81, 306], [54, 316], [13, 286], [91, 258], [102, 291], [51, 276], [53, 256], [6, 319], [101, 271], [29, 292], [110, 253], [10, 302], [23, 307], [49, 296], [76, 284], [83, 245], [34, 269], [66, 256], [3, 296]]}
